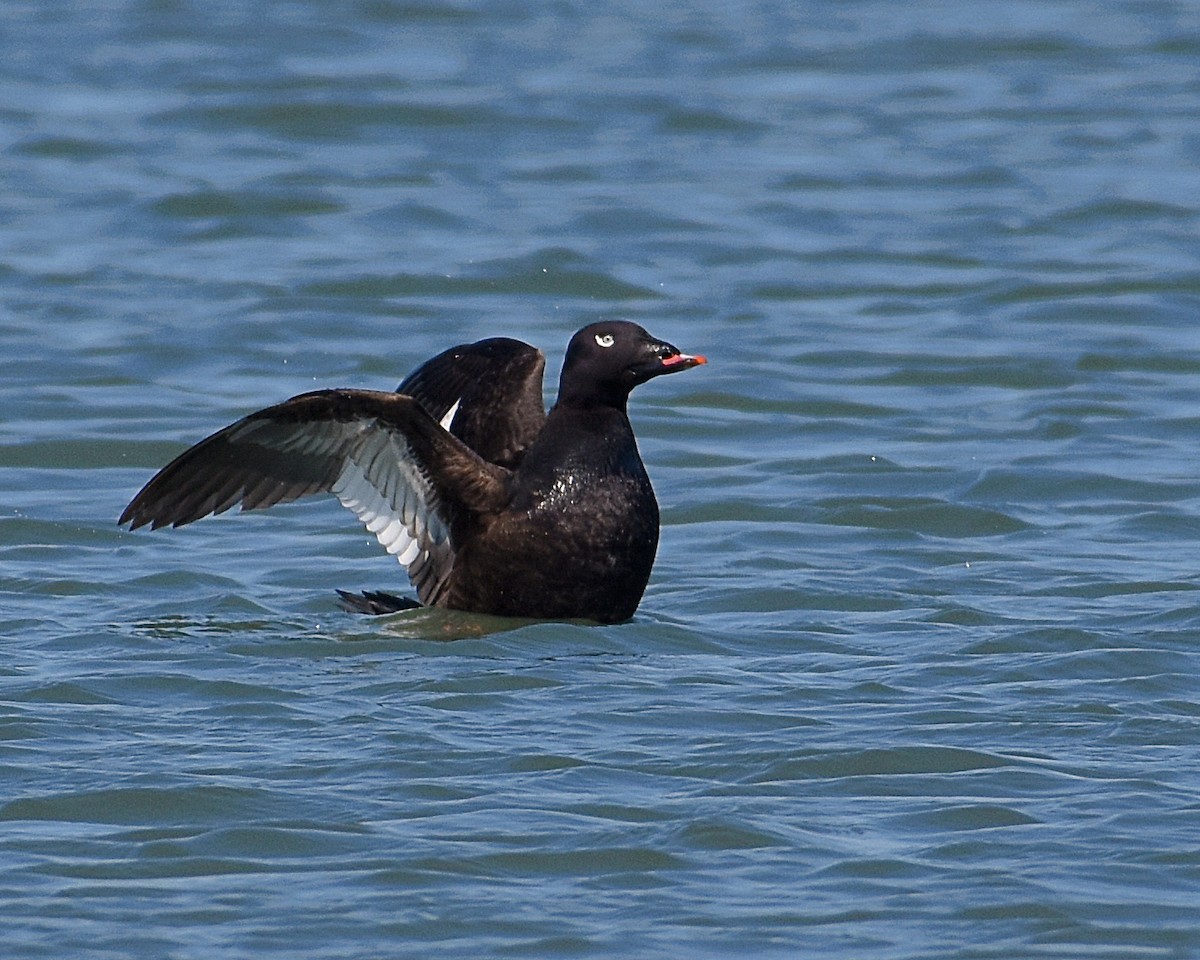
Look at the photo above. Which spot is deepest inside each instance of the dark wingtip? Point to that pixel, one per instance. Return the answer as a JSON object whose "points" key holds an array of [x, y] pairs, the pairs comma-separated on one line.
{"points": [[136, 515]]}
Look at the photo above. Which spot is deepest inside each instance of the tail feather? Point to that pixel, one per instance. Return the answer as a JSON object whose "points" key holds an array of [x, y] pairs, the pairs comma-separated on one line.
{"points": [[375, 602]]}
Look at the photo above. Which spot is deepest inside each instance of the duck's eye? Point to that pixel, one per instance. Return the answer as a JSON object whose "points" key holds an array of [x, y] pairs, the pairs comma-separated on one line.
{"points": [[604, 339]]}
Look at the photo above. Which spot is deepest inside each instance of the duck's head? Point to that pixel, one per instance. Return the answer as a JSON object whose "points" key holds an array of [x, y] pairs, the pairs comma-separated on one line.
{"points": [[608, 359]]}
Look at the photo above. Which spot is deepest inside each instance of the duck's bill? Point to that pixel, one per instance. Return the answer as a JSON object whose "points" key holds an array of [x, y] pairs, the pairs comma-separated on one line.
{"points": [[682, 361]]}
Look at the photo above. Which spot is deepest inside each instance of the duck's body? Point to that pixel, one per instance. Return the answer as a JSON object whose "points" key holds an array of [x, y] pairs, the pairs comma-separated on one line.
{"points": [[491, 505], [579, 534]]}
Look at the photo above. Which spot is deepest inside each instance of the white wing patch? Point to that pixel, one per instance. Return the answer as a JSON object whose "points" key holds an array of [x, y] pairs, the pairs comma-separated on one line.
{"points": [[449, 417], [393, 498]]}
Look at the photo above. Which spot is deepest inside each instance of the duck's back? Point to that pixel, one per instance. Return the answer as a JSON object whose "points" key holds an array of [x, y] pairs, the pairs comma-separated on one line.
{"points": [[578, 538]]}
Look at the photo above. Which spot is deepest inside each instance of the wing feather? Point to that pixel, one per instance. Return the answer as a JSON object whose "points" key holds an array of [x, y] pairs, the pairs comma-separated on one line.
{"points": [[487, 393], [408, 480]]}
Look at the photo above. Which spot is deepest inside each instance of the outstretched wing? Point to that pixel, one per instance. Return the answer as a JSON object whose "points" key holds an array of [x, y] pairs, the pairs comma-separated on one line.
{"points": [[488, 394], [381, 454]]}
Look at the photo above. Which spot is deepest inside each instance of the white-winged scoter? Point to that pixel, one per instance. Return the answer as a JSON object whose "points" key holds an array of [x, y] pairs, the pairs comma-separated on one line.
{"points": [[491, 505]]}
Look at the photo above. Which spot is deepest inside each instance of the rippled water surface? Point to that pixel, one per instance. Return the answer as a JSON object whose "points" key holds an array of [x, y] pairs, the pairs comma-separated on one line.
{"points": [[917, 672]]}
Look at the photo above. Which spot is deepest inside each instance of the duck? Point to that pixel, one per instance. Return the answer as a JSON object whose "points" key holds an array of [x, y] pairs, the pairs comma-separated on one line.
{"points": [[492, 505]]}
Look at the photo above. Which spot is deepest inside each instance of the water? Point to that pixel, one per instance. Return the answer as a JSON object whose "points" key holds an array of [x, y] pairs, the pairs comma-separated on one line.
{"points": [[917, 672]]}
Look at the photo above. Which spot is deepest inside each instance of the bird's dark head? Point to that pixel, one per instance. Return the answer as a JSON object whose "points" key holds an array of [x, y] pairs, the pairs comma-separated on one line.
{"points": [[606, 360]]}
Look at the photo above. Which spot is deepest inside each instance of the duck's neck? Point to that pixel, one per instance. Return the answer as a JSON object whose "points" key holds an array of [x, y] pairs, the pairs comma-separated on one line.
{"points": [[590, 436], [595, 397]]}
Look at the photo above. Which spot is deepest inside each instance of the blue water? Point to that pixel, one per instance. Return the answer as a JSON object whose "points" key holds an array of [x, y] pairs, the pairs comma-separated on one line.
{"points": [[917, 674]]}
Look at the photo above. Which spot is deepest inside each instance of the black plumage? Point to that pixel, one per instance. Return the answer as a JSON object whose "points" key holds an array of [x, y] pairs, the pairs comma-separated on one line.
{"points": [[491, 505]]}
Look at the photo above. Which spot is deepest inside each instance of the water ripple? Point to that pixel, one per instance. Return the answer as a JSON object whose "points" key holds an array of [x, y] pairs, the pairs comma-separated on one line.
{"points": [[916, 671]]}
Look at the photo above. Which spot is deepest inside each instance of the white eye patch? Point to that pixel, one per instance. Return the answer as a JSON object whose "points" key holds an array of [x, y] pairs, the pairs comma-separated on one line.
{"points": [[604, 339]]}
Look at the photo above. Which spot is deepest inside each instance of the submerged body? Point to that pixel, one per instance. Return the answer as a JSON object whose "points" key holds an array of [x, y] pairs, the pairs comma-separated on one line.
{"points": [[490, 505]]}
